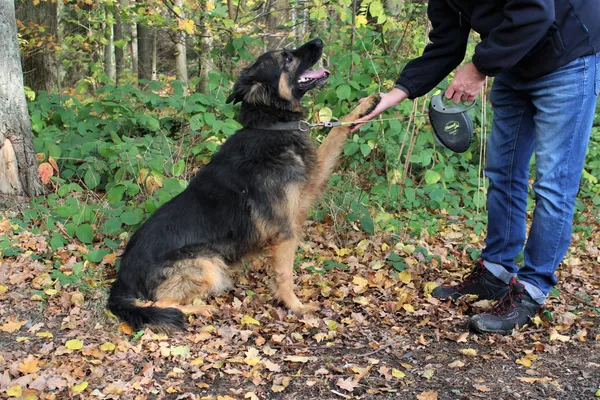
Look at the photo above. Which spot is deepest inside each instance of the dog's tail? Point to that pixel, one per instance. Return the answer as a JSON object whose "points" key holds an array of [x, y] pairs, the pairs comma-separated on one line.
{"points": [[122, 303]]}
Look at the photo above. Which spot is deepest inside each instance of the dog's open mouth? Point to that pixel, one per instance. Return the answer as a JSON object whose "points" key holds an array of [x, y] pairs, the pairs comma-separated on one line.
{"points": [[311, 79]]}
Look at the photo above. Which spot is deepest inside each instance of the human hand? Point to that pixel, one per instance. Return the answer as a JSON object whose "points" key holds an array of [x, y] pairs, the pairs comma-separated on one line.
{"points": [[466, 84], [388, 100]]}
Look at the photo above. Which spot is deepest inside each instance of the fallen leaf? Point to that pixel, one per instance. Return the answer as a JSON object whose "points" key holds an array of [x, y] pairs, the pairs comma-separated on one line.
{"points": [[12, 325], [107, 346], [300, 359], [468, 352], [456, 364], [44, 334], [80, 387], [428, 373], [554, 335], [271, 366], [347, 384], [405, 276], [396, 373], [14, 391], [29, 366], [247, 320], [74, 344], [125, 328], [427, 396]]}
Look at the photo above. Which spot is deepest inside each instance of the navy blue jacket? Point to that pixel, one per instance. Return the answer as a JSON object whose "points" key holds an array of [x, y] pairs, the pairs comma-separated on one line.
{"points": [[529, 38]]}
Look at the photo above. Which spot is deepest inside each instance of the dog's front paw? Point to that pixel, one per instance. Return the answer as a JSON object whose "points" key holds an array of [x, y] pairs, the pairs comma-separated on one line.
{"points": [[304, 308], [368, 105]]}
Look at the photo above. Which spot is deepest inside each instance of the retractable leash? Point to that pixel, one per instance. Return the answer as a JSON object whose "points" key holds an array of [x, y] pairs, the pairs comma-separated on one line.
{"points": [[452, 127]]}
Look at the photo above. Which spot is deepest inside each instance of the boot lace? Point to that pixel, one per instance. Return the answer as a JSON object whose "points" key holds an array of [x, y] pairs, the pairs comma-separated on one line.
{"points": [[508, 302], [471, 277]]}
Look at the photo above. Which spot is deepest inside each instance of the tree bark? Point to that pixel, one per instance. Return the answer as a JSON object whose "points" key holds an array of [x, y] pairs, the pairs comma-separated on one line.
{"points": [[40, 67], [109, 48], [144, 49], [154, 55], [204, 60], [119, 52], [181, 51], [18, 165]]}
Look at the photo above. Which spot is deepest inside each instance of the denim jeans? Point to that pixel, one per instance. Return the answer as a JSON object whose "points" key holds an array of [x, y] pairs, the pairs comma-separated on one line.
{"points": [[552, 117]]}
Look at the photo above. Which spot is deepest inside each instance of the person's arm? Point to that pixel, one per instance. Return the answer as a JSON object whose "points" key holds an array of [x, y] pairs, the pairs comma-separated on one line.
{"points": [[446, 51], [525, 23]]}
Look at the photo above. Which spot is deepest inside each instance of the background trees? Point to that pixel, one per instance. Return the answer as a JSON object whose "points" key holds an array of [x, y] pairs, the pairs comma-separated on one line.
{"points": [[134, 105]]}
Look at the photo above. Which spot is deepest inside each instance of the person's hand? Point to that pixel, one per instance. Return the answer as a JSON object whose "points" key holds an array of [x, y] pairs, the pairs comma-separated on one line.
{"points": [[466, 84], [388, 100]]}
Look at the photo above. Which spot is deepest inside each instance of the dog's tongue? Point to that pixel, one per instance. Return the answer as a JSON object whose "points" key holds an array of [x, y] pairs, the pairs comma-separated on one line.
{"points": [[315, 74]]}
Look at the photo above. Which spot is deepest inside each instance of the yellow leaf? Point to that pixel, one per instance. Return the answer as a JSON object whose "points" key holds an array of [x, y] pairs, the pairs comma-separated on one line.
{"points": [[29, 366], [12, 325], [360, 20], [299, 359], [107, 346], [74, 344], [405, 276], [210, 5], [247, 320], [526, 361], [408, 308], [252, 357], [428, 288], [362, 246], [197, 361], [125, 328], [343, 252], [15, 391], [3, 289], [44, 334], [80, 387], [385, 247], [554, 335], [187, 25], [51, 292], [468, 352], [396, 373], [428, 373]]}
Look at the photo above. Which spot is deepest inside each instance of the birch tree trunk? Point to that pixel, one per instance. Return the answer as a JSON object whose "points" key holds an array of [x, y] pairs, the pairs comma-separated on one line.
{"points": [[181, 51], [18, 165], [119, 49]]}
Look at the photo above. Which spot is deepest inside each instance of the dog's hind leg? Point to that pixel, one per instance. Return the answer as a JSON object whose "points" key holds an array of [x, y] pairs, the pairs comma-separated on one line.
{"points": [[282, 261], [190, 278]]}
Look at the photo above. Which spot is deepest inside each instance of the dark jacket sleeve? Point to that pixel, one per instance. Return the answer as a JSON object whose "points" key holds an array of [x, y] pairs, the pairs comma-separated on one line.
{"points": [[525, 23], [446, 51]]}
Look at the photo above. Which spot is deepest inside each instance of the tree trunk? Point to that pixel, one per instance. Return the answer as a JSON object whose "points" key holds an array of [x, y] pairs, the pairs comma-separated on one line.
{"points": [[119, 45], [133, 45], [18, 165], [144, 49], [40, 67], [180, 51], [154, 55], [276, 16], [204, 60], [109, 48]]}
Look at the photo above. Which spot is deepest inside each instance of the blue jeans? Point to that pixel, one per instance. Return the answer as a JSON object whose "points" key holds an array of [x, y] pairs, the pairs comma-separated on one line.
{"points": [[551, 116]]}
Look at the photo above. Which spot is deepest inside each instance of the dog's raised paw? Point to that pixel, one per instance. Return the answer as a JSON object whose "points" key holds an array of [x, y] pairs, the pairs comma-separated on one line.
{"points": [[369, 104]]}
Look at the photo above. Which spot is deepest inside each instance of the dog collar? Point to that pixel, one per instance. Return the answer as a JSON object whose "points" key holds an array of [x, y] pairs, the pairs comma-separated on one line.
{"points": [[452, 127], [301, 126]]}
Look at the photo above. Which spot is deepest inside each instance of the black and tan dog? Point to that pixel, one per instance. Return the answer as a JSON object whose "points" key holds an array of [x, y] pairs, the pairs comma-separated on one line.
{"points": [[252, 197]]}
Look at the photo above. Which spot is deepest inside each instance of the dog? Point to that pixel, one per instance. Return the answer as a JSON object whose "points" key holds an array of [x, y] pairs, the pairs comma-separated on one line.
{"points": [[251, 198]]}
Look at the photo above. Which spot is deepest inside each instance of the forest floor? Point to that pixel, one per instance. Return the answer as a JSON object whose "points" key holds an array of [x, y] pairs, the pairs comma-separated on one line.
{"points": [[377, 333]]}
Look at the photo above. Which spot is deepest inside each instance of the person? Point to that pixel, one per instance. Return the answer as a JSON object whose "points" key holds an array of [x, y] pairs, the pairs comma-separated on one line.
{"points": [[544, 57]]}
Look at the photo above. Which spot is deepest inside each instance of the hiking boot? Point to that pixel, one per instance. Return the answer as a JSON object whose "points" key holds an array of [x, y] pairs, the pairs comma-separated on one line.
{"points": [[479, 282], [515, 309]]}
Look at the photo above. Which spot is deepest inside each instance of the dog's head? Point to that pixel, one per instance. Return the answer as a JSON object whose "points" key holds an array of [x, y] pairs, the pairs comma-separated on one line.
{"points": [[280, 78]]}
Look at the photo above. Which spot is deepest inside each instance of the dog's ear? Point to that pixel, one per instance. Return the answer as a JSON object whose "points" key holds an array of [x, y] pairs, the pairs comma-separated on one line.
{"points": [[257, 93]]}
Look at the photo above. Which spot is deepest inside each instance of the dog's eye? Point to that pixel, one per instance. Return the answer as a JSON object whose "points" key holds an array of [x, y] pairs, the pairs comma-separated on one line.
{"points": [[288, 57]]}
